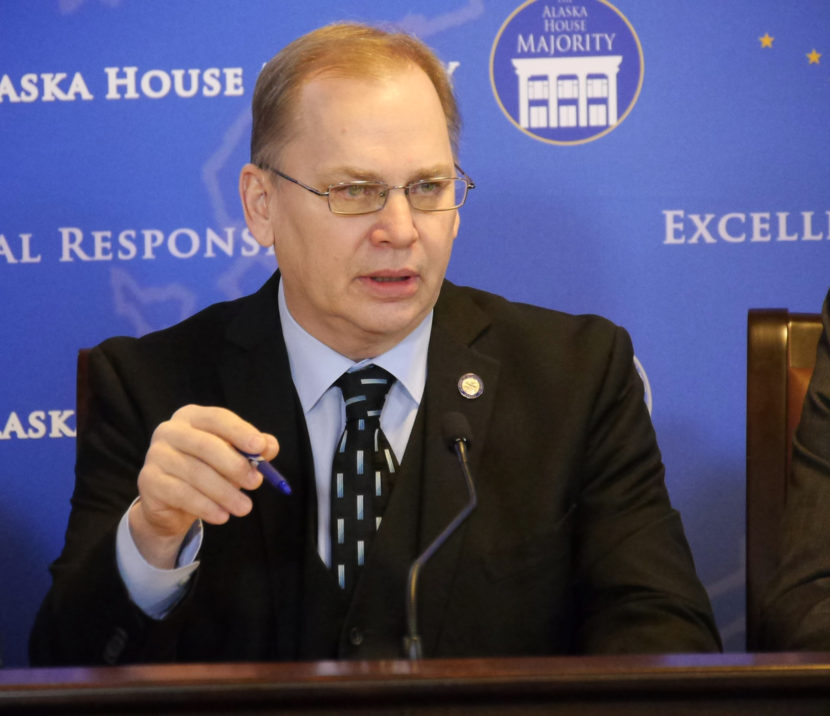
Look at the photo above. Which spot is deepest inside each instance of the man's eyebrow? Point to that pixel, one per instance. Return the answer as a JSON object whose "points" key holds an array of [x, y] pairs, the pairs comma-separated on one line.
{"points": [[349, 173], [435, 171]]}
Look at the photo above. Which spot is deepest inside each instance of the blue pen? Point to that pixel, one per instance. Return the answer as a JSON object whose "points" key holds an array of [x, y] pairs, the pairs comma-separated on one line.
{"points": [[268, 471]]}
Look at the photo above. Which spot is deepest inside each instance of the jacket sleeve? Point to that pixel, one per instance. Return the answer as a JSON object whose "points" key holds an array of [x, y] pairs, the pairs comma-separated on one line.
{"points": [[87, 616], [636, 586]]}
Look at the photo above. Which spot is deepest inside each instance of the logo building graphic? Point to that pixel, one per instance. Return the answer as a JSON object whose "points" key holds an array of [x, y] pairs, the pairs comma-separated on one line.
{"points": [[566, 72]]}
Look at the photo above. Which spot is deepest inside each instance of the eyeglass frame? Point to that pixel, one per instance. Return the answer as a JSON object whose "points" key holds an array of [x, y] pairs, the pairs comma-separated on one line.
{"points": [[470, 184]]}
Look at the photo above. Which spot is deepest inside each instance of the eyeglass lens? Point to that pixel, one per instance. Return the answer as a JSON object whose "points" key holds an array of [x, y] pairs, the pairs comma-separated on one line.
{"points": [[431, 195]]}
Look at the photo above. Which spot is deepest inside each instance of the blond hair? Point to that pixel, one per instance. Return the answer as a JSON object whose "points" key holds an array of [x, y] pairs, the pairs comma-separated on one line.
{"points": [[340, 50]]}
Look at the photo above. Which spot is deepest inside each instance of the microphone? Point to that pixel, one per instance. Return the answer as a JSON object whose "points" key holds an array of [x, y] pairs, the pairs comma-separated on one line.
{"points": [[455, 429]]}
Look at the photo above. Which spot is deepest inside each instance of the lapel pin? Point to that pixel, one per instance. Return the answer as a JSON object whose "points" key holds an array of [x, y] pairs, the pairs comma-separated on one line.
{"points": [[470, 386]]}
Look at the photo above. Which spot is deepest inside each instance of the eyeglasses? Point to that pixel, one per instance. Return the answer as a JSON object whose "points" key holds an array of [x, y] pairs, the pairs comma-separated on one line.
{"points": [[366, 197]]}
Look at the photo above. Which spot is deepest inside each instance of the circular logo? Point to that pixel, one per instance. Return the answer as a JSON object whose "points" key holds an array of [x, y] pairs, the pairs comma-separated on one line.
{"points": [[566, 71], [470, 386]]}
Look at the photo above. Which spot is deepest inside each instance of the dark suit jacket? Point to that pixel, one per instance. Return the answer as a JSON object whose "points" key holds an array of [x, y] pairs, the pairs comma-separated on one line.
{"points": [[573, 547], [797, 606]]}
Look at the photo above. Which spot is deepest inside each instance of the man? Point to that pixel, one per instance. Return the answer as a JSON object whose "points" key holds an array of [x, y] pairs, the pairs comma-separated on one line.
{"points": [[573, 546], [797, 605]]}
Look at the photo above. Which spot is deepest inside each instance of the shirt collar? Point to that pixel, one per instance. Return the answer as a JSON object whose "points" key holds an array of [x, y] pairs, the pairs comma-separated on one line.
{"points": [[315, 366]]}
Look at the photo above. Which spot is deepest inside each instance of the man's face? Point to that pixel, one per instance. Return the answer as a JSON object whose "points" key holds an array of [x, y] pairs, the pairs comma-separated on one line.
{"points": [[360, 284]]}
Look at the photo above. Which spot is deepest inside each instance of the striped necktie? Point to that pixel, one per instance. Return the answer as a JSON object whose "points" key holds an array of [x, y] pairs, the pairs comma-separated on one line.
{"points": [[362, 471]]}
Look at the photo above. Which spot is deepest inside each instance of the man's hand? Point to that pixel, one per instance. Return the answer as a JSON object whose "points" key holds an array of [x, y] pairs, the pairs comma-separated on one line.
{"points": [[192, 471]]}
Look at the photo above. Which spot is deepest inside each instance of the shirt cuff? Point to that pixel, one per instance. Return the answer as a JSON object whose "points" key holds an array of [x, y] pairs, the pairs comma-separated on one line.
{"points": [[155, 591]]}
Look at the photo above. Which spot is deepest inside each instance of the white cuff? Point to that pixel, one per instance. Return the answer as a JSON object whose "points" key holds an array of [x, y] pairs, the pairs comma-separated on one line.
{"points": [[155, 591]]}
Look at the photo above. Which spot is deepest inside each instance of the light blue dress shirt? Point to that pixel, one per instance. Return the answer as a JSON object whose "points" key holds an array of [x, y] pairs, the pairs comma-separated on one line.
{"points": [[314, 368]]}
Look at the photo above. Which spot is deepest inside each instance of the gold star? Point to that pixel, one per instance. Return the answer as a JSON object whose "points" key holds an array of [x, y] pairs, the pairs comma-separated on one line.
{"points": [[766, 40], [813, 57]]}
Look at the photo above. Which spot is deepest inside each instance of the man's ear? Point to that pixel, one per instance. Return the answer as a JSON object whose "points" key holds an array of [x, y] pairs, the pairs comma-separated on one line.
{"points": [[255, 191]]}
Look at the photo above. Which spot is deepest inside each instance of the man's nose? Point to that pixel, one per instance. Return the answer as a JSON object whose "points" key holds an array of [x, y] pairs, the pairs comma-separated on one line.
{"points": [[395, 221]]}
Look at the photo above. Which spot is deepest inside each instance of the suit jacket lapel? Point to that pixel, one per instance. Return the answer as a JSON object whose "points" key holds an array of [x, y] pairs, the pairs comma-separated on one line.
{"points": [[457, 326], [256, 377]]}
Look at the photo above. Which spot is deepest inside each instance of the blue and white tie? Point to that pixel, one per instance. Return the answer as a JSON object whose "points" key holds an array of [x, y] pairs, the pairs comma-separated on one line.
{"points": [[362, 472]]}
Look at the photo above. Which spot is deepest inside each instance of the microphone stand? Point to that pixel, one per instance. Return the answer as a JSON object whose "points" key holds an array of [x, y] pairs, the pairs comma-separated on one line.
{"points": [[412, 641]]}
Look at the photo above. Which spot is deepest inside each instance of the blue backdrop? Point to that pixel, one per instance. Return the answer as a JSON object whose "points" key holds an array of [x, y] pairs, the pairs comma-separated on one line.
{"points": [[702, 193]]}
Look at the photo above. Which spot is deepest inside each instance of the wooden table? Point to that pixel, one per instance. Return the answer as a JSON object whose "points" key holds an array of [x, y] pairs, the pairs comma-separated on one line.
{"points": [[667, 684]]}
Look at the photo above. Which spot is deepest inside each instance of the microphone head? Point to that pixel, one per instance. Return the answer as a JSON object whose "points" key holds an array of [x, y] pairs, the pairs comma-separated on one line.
{"points": [[455, 427]]}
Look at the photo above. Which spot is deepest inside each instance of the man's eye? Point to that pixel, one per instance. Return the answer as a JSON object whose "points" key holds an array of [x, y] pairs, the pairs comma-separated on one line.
{"points": [[359, 191], [355, 191], [427, 188]]}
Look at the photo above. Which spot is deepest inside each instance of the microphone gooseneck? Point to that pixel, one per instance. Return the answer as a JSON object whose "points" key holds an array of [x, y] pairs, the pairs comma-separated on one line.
{"points": [[455, 429]]}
